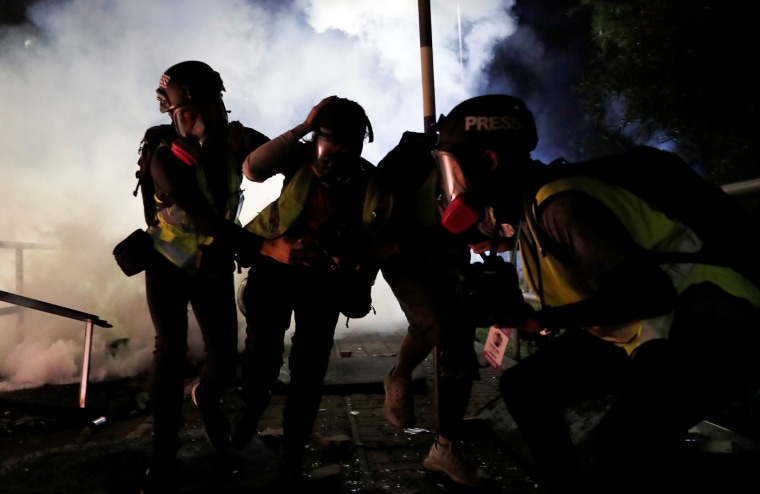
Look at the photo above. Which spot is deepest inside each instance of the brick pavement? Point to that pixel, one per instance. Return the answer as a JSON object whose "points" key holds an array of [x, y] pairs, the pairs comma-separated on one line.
{"points": [[354, 448], [390, 458]]}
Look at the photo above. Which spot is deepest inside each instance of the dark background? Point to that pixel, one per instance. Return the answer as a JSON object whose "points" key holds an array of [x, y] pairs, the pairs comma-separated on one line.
{"points": [[602, 75]]}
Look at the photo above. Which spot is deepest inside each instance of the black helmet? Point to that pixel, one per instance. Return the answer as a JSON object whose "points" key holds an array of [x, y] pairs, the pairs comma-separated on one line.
{"points": [[187, 82], [497, 121], [345, 120]]}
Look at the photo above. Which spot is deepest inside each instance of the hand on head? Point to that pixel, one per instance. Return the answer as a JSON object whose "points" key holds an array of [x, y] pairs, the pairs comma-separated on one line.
{"points": [[312, 117]]}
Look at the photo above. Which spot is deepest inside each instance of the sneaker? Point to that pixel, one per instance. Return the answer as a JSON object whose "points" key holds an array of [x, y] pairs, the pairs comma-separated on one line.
{"points": [[215, 422], [446, 459], [399, 402]]}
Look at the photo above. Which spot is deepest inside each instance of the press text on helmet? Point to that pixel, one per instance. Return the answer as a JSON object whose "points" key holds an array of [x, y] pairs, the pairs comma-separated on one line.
{"points": [[497, 122]]}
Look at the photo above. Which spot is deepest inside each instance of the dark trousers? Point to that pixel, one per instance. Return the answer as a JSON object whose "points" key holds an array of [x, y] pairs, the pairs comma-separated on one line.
{"points": [[211, 294], [658, 394], [427, 294], [574, 367], [274, 294]]}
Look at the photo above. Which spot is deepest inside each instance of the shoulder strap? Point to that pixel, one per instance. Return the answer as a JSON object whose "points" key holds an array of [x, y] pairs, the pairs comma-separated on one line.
{"points": [[235, 136], [153, 138]]}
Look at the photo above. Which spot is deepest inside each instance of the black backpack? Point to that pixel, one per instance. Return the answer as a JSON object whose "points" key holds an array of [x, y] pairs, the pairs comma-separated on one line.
{"points": [[241, 141], [666, 181], [153, 137]]}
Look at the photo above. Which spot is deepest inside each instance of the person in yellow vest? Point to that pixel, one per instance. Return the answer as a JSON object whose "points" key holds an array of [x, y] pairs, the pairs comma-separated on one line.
{"points": [[192, 188], [632, 324], [312, 242]]}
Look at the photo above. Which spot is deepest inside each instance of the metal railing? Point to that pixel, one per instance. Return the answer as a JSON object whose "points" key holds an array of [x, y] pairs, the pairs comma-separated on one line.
{"points": [[19, 248], [90, 320], [742, 188], [21, 302]]}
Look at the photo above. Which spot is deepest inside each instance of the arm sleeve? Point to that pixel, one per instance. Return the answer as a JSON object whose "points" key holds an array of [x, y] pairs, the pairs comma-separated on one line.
{"points": [[273, 156], [622, 280]]}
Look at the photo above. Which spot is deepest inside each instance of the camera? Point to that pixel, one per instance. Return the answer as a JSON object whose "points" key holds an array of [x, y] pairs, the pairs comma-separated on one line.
{"points": [[491, 293]]}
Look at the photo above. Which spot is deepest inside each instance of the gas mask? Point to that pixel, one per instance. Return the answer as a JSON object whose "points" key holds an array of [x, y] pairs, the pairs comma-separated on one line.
{"points": [[335, 156], [188, 122], [460, 210]]}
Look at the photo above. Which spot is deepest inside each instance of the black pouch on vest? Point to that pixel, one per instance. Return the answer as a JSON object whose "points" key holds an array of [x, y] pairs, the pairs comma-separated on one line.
{"points": [[133, 253]]}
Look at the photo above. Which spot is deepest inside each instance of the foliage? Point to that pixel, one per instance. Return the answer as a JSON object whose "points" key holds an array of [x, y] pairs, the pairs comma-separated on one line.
{"points": [[674, 73]]}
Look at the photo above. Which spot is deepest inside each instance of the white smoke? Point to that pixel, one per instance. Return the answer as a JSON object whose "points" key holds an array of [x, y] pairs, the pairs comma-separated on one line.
{"points": [[78, 92]]}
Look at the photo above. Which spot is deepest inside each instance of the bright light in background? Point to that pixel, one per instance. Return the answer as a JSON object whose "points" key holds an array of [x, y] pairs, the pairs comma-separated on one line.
{"points": [[78, 93]]}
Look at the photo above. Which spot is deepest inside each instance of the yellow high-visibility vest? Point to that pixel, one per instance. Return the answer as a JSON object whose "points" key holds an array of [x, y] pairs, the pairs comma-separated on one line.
{"points": [[651, 229]]}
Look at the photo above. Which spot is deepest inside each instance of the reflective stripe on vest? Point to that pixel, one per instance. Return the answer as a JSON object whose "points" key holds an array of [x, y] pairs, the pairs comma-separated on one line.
{"points": [[176, 236]]}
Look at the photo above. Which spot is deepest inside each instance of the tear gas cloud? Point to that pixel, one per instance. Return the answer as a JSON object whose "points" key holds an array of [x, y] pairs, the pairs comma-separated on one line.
{"points": [[78, 86]]}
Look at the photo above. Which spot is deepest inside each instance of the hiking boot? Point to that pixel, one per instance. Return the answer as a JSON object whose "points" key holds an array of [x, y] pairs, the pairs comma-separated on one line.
{"points": [[215, 422], [246, 427], [399, 402], [446, 459]]}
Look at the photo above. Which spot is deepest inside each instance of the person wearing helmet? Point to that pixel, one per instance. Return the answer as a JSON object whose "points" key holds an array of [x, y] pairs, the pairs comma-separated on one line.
{"points": [[632, 319], [420, 261], [313, 242], [194, 174]]}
